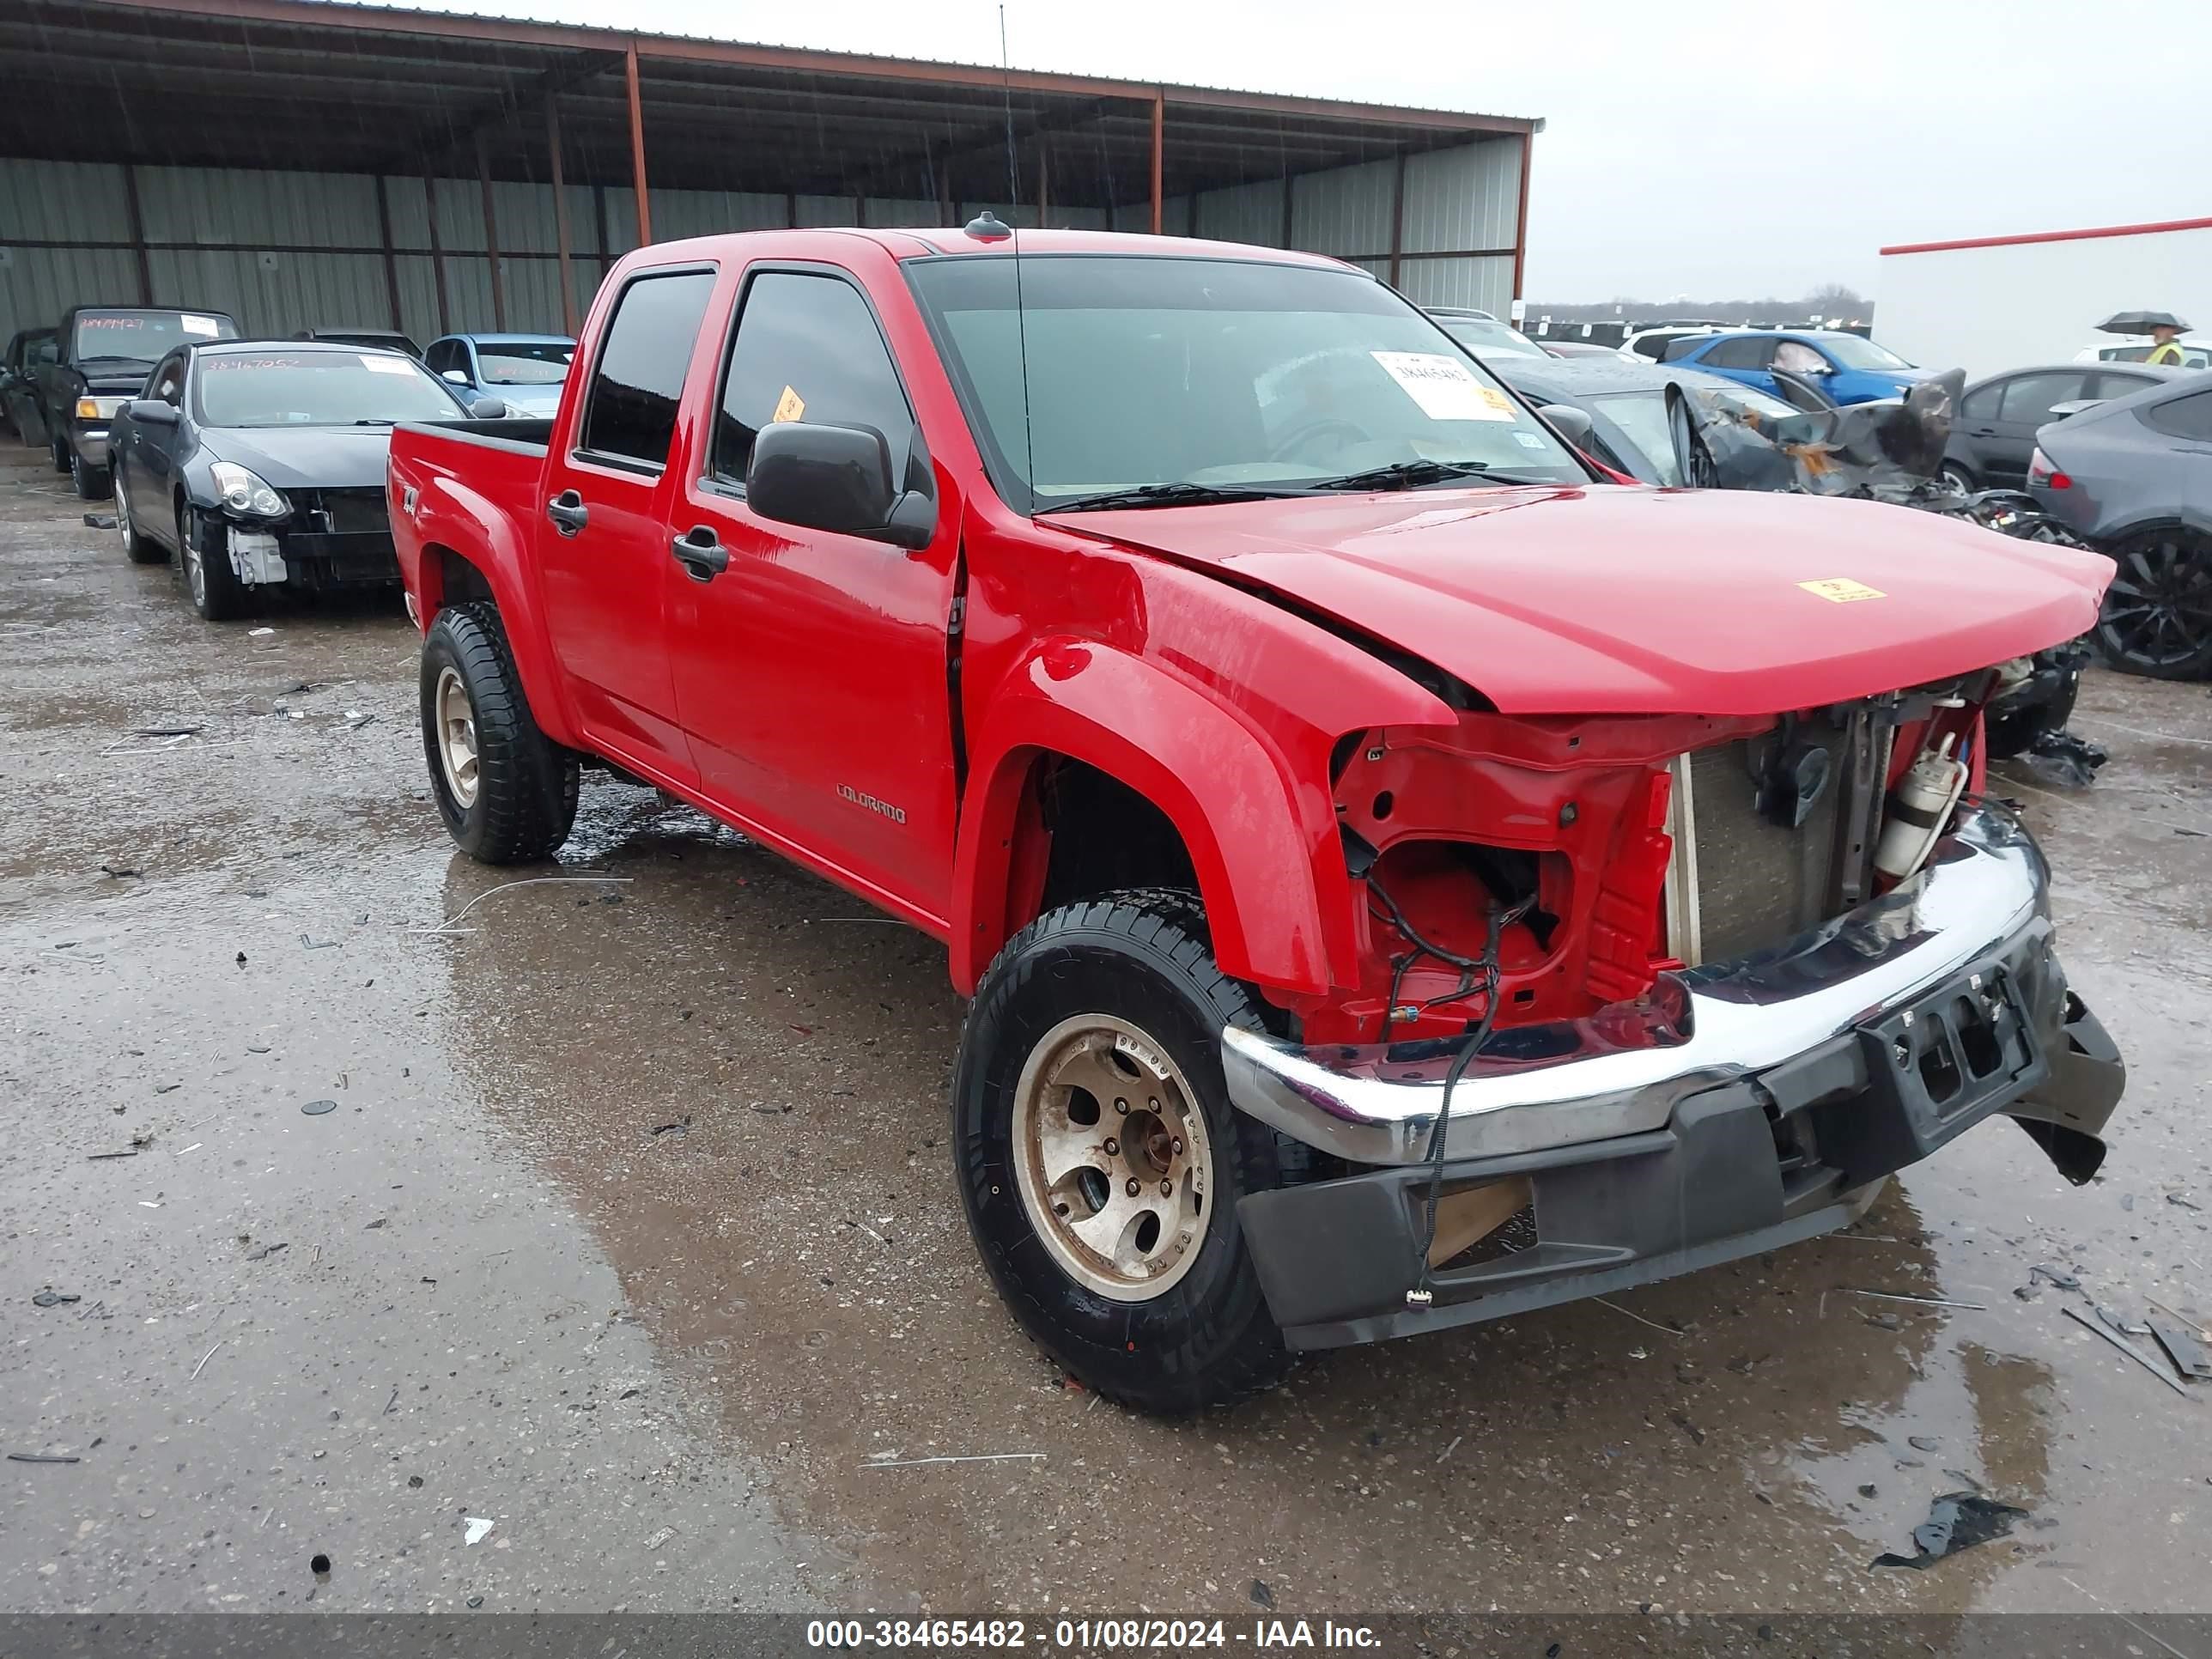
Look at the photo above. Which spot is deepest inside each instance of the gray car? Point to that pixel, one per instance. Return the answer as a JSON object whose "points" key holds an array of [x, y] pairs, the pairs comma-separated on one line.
{"points": [[2133, 477], [1995, 431]]}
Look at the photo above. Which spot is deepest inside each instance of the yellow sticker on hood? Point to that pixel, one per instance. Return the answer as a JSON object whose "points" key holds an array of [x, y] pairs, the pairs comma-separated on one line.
{"points": [[1842, 590]]}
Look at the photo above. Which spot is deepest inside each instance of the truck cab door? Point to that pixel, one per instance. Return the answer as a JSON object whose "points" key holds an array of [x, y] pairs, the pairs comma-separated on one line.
{"points": [[810, 665], [602, 544]]}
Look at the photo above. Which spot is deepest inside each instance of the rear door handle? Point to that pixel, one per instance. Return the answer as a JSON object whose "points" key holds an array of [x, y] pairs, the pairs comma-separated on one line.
{"points": [[568, 512], [701, 553], [1982, 432]]}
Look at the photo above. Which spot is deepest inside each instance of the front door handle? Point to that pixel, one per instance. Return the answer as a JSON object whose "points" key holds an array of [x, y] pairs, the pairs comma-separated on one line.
{"points": [[568, 512], [1982, 432], [701, 553]]}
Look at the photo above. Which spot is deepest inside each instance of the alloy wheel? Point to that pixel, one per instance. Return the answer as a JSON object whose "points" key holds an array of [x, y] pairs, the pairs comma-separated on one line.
{"points": [[2158, 612], [456, 738], [1111, 1157]]}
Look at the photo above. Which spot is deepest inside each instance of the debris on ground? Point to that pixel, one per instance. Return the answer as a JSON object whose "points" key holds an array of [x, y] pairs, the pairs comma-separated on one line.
{"points": [[256, 633], [1262, 1594], [2057, 1278], [53, 1298], [41, 1457], [100, 521], [2124, 1346], [308, 942], [659, 1538], [121, 872], [2182, 1202], [1868, 1490], [1923, 1301], [1956, 1521], [317, 1108], [476, 1529], [682, 1126], [168, 730], [1922, 1441], [268, 1250], [2060, 757], [95, 1158], [2188, 1354]]}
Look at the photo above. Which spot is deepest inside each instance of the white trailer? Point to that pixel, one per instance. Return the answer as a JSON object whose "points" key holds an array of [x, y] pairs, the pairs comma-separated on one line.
{"points": [[1999, 302]]}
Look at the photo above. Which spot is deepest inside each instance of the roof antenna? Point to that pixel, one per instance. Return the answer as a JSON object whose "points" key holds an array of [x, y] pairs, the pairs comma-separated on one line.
{"points": [[987, 227]]}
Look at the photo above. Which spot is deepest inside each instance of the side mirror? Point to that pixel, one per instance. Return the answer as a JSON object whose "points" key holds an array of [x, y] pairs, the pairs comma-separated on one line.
{"points": [[151, 411], [1569, 423], [455, 377], [836, 478], [487, 408]]}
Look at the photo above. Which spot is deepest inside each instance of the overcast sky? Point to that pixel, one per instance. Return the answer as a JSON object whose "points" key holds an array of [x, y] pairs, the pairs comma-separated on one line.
{"points": [[1723, 150]]}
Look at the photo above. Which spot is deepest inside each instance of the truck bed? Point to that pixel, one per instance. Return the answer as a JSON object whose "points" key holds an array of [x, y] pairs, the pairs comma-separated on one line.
{"points": [[479, 469]]}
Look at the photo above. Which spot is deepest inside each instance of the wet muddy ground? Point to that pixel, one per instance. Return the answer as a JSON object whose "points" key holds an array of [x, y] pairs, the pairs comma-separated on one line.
{"points": [[632, 1232]]}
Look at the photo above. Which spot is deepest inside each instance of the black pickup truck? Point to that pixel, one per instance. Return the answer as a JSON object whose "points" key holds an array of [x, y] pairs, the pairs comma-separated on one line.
{"points": [[105, 353]]}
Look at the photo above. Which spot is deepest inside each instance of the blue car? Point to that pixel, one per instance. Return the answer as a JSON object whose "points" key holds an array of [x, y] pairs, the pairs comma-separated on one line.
{"points": [[1849, 369], [523, 371]]}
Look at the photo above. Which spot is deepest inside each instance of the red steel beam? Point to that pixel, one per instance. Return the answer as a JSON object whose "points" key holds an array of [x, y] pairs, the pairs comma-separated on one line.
{"points": [[1521, 216], [1159, 154], [637, 148]]}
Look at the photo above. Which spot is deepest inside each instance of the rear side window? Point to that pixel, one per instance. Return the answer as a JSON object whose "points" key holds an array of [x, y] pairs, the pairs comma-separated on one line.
{"points": [[2028, 398], [807, 348], [1981, 404], [1750, 353], [631, 414], [2182, 418], [2113, 384]]}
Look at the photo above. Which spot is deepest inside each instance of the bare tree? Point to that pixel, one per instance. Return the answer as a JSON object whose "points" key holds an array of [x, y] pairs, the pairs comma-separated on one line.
{"points": [[1835, 300]]}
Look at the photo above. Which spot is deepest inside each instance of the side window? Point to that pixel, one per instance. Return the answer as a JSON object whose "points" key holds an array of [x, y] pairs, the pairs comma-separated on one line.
{"points": [[2129, 354], [807, 348], [638, 378], [1981, 404], [169, 381], [1748, 352], [2028, 398], [2187, 417], [442, 356], [2112, 384]]}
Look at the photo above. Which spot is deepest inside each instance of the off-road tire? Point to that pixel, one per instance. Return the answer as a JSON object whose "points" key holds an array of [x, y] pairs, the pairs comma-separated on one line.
{"points": [[137, 548], [1144, 956], [525, 796], [222, 596], [92, 482]]}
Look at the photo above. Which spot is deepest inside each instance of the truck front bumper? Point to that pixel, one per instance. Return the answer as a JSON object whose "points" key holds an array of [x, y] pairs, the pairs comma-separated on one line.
{"points": [[1740, 1106]]}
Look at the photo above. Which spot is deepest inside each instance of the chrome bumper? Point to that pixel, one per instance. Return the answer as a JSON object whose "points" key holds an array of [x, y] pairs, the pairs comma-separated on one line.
{"points": [[1625, 1068]]}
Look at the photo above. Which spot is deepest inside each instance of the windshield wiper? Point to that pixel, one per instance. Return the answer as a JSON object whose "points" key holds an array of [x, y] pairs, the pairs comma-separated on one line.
{"points": [[377, 421], [1167, 495], [1411, 474]]}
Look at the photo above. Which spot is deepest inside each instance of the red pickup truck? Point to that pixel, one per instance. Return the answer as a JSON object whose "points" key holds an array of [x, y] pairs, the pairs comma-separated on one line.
{"points": [[1403, 876]]}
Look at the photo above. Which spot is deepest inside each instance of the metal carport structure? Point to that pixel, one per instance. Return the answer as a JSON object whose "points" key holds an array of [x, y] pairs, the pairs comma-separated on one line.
{"points": [[303, 163]]}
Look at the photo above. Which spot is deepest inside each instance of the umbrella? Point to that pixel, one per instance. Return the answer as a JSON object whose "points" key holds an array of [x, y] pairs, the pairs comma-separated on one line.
{"points": [[2140, 322]]}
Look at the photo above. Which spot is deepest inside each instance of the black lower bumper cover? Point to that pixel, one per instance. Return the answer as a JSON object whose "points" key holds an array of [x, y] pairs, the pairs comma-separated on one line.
{"points": [[1766, 1160]]}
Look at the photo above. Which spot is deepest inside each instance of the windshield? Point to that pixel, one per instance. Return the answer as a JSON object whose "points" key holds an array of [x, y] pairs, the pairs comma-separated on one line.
{"points": [[515, 363], [143, 337], [1852, 352], [1642, 418], [1150, 370], [318, 388], [1487, 339]]}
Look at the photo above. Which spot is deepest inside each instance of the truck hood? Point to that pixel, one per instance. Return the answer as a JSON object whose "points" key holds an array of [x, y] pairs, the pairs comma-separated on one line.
{"points": [[1618, 600]]}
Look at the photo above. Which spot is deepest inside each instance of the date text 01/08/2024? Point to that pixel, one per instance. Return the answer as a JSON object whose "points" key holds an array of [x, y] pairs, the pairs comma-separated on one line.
{"points": [[1086, 1634]]}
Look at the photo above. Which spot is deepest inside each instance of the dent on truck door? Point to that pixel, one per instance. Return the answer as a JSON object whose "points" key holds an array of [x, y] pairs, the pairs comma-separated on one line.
{"points": [[811, 668], [601, 546]]}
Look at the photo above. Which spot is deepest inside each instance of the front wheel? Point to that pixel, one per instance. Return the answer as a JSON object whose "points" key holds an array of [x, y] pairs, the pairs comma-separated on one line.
{"points": [[92, 482], [138, 548], [507, 794], [1100, 1163], [209, 582], [1958, 478], [2157, 614]]}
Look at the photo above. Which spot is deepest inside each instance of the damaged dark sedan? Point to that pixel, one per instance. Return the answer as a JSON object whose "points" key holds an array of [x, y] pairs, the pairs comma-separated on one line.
{"points": [[261, 464]]}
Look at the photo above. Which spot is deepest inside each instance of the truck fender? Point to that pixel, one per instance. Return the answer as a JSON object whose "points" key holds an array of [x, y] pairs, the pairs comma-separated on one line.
{"points": [[1220, 782], [449, 517]]}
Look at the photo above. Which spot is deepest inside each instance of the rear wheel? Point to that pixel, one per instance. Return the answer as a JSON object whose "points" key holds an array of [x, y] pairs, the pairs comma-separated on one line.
{"points": [[2157, 614], [1958, 478], [139, 550], [1100, 1163], [506, 793]]}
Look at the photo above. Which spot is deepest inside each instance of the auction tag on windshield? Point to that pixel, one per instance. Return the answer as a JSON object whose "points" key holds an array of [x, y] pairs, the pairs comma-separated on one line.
{"points": [[1444, 388], [204, 325], [789, 407], [387, 365]]}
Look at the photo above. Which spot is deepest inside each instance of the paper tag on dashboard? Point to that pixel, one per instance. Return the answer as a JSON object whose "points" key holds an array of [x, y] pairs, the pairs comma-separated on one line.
{"points": [[789, 407], [1444, 388], [387, 365], [201, 325]]}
